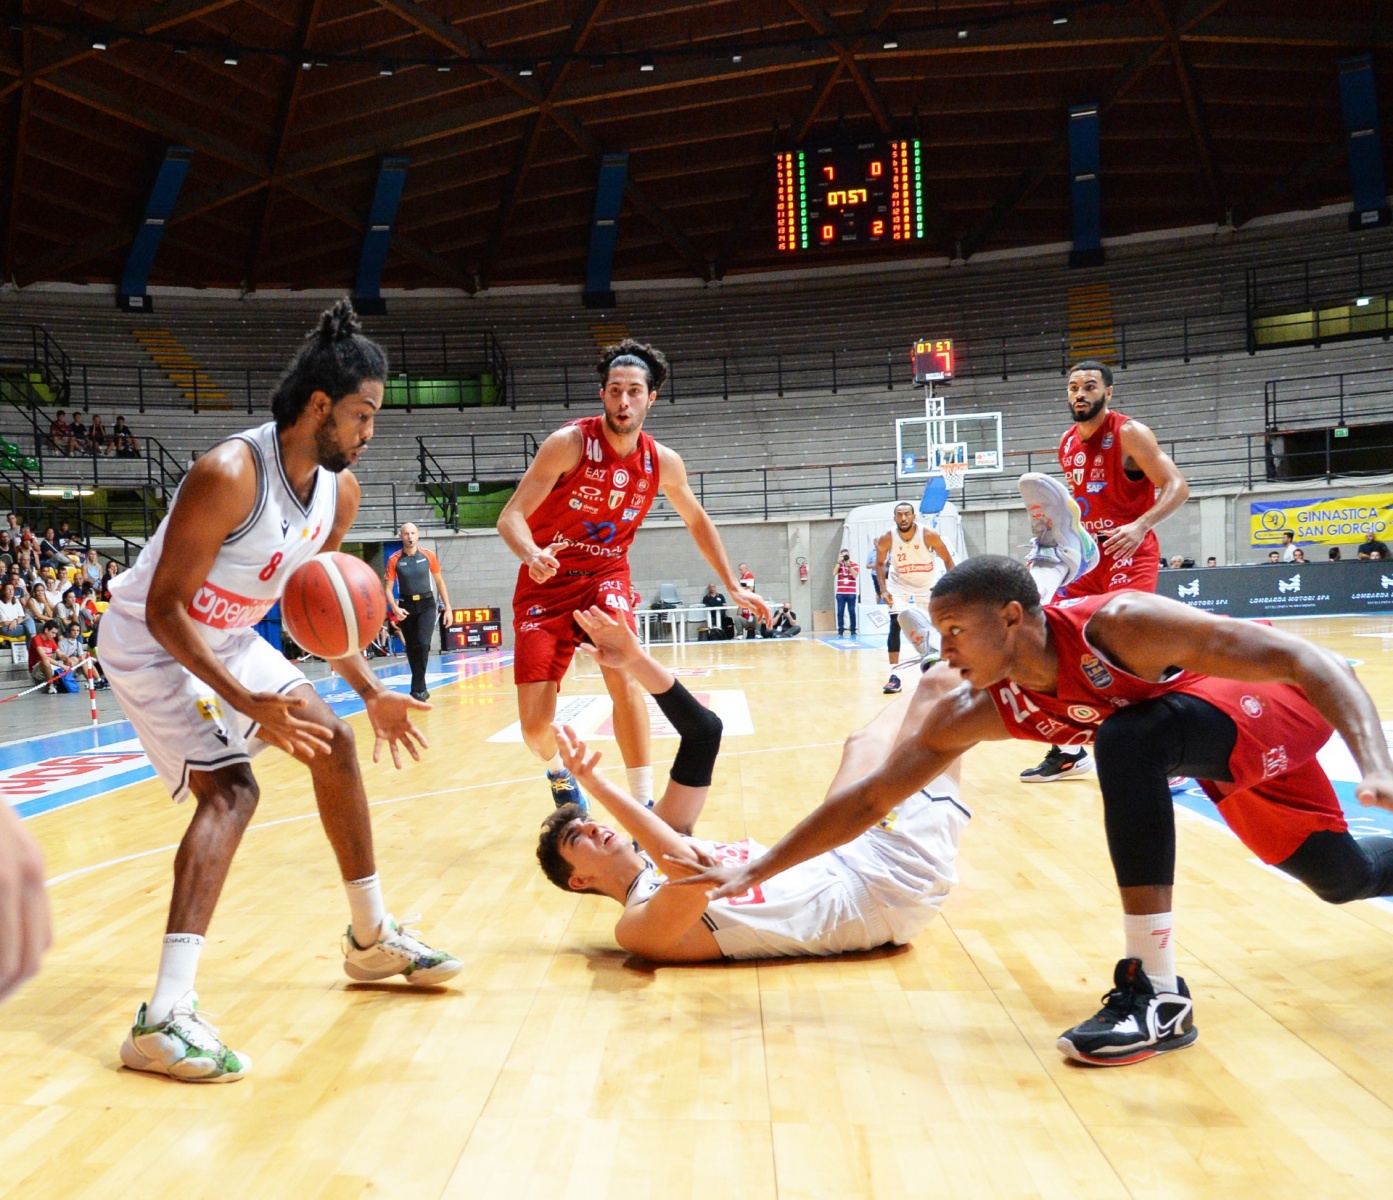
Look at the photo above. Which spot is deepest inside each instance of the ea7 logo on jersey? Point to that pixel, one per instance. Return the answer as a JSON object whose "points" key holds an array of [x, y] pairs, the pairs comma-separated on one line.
{"points": [[1098, 675], [1188, 589], [596, 473], [1289, 585]]}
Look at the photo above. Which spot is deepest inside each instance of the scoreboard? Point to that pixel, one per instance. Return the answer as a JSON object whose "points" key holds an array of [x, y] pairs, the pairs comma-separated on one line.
{"points": [[474, 629], [850, 194], [933, 360]]}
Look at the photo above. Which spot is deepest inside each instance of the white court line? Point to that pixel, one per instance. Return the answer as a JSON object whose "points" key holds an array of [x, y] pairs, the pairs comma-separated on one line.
{"points": [[115, 862]]}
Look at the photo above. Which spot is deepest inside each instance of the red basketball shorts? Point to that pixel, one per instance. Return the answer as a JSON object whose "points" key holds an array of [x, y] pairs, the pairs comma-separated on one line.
{"points": [[1138, 573], [545, 634]]}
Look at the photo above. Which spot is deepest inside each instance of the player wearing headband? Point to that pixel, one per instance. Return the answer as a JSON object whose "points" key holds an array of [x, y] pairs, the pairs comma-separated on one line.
{"points": [[571, 522]]}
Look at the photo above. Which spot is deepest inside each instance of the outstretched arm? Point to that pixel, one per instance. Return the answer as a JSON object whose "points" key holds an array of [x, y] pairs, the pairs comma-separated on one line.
{"points": [[1146, 634], [703, 530], [951, 724]]}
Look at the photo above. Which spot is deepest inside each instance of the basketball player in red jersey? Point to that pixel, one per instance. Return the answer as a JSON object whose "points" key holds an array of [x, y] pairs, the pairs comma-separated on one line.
{"points": [[571, 521], [1159, 688], [1124, 485]]}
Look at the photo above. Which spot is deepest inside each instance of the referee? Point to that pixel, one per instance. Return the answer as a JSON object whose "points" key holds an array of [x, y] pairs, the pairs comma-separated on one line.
{"points": [[412, 568]]}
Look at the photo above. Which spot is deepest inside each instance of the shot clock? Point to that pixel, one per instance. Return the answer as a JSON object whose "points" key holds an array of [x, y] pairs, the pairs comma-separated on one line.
{"points": [[475, 629], [850, 194], [933, 360]]}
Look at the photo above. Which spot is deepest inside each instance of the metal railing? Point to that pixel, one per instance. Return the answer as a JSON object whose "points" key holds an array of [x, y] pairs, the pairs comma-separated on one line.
{"points": [[1307, 401], [30, 349]]}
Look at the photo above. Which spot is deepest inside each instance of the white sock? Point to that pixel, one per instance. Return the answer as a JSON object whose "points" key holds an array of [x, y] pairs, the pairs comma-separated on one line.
{"points": [[368, 911], [641, 784], [178, 966], [1150, 938], [1049, 578], [554, 763]]}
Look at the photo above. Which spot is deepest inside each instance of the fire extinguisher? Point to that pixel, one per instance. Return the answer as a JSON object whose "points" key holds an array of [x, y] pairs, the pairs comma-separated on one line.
{"points": [[802, 570]]}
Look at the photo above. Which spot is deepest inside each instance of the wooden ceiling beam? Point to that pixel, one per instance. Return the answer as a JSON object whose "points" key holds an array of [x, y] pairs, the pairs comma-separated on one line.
{"points": [[154, 18], [1199, 128]]}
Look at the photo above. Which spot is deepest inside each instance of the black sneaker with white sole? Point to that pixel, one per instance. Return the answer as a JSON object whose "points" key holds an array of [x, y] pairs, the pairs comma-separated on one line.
{"points": [[892, 686], [1135, 1023], [1058, 764]]}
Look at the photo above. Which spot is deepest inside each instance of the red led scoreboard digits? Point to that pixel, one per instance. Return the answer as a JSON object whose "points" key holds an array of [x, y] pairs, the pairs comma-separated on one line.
{"points": [[933, 360], [475, 628], [850, 194]]}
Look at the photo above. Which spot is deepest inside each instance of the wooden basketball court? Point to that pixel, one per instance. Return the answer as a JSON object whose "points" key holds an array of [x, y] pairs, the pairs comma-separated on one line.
{"points": [[557, 1066]]}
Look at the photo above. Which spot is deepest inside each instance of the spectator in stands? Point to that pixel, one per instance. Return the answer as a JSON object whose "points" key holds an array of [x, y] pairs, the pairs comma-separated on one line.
{"points": [[78, 432], [844, 587], [1177, 561], [98, 438], [1274, 557], [92, 568], [785, 623], [51, 586], [1212, 561], [1298, 555], [1334, 554], [49, 553], [60, 434], [1372, 548], [71, 650], [75, 608], [747, 621], [719, 620], [113, 569], [635, 598], [14, 621], [1288, 545], [6, 557], [13, 524], [43, 652], [124, 440]]}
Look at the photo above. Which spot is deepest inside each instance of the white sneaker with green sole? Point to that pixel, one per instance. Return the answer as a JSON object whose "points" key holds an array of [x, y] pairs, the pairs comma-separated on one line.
{"points": [[398, 951], [184, 1046]]}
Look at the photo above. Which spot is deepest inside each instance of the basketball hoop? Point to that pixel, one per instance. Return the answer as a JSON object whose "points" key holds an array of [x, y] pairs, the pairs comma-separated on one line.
{"points": [[953, 475]]}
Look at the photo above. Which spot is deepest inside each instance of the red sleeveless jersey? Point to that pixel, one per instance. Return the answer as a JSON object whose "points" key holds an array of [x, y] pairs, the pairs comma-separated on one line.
{"points": [[1278, 727], [595, 509], [1093, 471]]}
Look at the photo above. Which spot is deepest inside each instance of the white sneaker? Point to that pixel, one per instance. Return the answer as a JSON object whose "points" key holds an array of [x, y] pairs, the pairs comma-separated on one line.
{"points": [[398, 951], [184, 1046], [916, 626], [1057, 526]]}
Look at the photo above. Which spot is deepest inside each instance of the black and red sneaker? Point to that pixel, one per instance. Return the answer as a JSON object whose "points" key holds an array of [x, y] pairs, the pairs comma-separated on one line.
{"points": [[1135, 1023]]}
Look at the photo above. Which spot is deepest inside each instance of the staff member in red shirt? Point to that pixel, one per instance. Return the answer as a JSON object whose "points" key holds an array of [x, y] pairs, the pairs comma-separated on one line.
{"points": [[416, 610], [845, 588]]}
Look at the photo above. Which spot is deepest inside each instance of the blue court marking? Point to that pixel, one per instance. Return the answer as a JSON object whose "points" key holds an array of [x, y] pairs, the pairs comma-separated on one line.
{"points": [[833, 642], [342, 700]]}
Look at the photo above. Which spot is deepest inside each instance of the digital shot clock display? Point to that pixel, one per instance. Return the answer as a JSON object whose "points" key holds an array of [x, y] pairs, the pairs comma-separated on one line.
{"points": [[475, 629], [850, 194]]}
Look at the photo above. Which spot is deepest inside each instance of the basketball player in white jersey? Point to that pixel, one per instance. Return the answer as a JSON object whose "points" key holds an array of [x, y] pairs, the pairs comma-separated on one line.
{"points": [[883, 887], [206, 693], [907, 567]]}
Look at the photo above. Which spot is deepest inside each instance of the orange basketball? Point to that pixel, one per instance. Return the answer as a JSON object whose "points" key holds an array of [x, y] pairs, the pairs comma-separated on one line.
{"points": [[333, 605]]}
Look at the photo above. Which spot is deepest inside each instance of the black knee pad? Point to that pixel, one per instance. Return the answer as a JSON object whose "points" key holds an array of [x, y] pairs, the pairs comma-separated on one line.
{"points": [[700, 731], [892, 643]]}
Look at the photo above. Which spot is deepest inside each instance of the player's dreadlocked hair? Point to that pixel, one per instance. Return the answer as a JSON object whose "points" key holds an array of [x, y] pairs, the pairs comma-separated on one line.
{"points": [[335, 359], [990, 579], [554, 865], [630, 353]]}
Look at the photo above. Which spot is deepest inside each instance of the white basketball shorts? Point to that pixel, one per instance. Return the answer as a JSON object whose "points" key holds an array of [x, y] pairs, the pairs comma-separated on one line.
{"points": [[182, 724], [906, 861]]}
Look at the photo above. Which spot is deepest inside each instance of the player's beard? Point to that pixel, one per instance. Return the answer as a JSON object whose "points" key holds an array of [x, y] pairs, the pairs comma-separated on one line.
{"points": [[635, 423], [332, 456], [1087, 414]]}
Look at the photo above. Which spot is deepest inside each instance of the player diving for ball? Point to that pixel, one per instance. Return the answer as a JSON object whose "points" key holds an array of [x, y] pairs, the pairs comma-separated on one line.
{"points": [[206, 693], [571, 521], [882, 887]]}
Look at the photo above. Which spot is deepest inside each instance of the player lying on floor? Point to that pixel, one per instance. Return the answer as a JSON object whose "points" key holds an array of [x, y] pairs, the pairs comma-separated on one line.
{"points": [[882, 887]]}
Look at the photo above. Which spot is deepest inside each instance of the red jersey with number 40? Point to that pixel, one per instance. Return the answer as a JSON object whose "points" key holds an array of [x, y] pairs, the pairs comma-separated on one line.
{"points": [[1093, 471], [595, 509]]}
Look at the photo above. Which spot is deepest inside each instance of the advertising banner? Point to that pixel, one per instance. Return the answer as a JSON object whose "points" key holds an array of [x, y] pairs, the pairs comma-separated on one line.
{"points": [[1321, 520], [1324, 589]]}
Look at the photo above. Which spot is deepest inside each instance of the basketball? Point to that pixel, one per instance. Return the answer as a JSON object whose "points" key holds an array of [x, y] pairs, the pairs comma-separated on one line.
{"points": [[333, 605]]}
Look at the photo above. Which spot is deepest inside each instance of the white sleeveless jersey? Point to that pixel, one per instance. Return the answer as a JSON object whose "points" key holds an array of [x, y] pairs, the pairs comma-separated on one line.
{"points": [[884, 886], [249, 573], [911, 567]]}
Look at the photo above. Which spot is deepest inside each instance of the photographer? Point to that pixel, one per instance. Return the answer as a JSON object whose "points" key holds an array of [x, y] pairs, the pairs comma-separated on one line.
{"points": [[845, 589]]}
